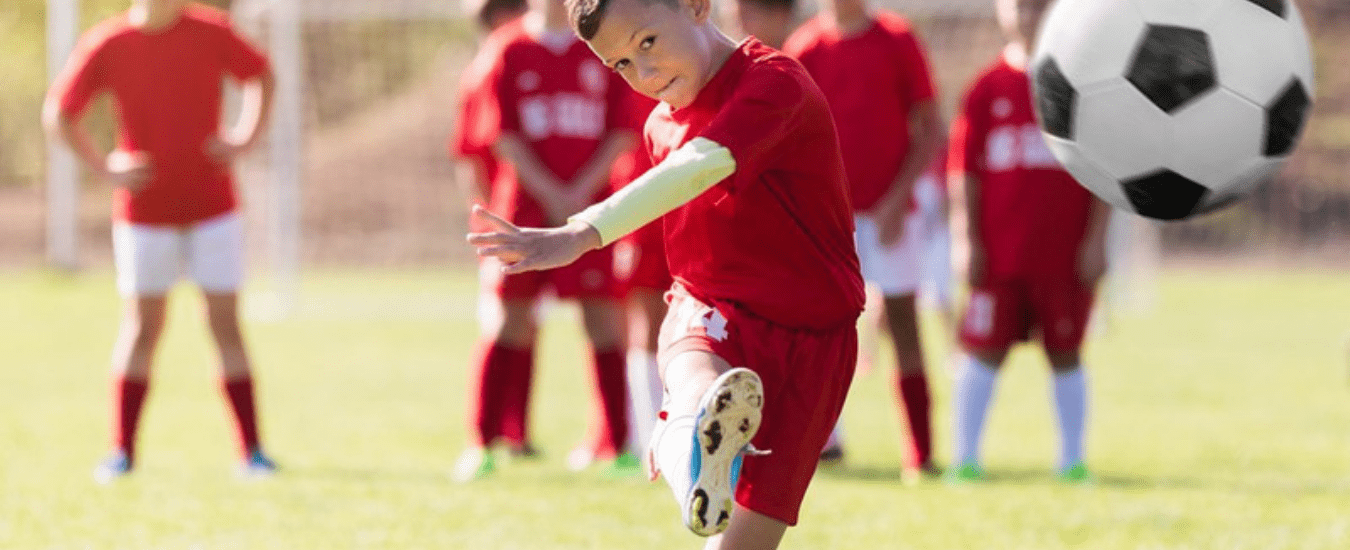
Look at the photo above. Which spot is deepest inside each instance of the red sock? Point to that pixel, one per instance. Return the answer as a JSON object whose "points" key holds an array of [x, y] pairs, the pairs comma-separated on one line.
{"points": [[239, 391], [488, 388], [127, 400], [914, 393], [519, 377], [611, 382]]}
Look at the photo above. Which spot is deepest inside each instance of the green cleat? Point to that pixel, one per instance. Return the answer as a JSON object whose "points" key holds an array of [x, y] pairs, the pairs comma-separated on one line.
{"points": [[474, 464], [965, 473], [1076, 474], [625, 465]]}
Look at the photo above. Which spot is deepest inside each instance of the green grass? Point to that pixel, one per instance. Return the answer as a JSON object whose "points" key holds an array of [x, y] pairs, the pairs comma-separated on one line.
{"points": [[1219, 421]]}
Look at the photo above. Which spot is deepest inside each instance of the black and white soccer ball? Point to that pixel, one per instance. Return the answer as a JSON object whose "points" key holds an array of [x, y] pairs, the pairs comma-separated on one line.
{"points": [[1172, 108]]}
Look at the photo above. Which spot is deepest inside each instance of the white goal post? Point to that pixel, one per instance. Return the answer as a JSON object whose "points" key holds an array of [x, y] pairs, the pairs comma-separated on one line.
{"points": [[63, 176]]}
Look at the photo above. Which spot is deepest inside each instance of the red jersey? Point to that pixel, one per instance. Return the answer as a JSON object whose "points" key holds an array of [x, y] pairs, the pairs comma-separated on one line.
{"points": [[776, 236], [166, 88], [563, 103], [469, 140], [1033, 214], [872, 81]]}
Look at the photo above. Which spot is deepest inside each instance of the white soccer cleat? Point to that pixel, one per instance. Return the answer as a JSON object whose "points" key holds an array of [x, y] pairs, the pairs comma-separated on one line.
{"points": [[727, 419]]}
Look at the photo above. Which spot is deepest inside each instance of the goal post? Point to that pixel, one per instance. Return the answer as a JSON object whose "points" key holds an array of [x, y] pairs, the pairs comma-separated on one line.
{"points": [[63, 177]]}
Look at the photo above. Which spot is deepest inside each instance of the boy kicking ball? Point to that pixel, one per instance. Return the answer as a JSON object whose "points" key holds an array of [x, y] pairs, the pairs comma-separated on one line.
{"points": [[758, 347]]}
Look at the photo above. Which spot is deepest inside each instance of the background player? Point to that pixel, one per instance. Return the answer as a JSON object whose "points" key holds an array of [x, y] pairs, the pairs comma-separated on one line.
{"points": [[556, 124], [771, 21], [640, 268], [475, 171], [872, 68], [174, 204], [758, 241], [1036, 242]]}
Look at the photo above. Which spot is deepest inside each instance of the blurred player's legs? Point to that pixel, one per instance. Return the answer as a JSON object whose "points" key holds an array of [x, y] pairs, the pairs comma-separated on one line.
{"points": [[998, 315], [149, 260], [504, 359], [895, 270]]}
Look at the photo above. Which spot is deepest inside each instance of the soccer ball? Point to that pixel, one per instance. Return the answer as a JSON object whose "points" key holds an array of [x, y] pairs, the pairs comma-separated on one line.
{"points": [[1172, 108]]}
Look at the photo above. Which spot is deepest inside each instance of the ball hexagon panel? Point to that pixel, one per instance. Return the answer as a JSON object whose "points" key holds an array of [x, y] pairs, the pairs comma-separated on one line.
{"points": [[1254, 53], [1090, 39], [1284, 119], [1181, 13], [1276, 7], [1056, 100], [1219, 133], [1126, 132], [1088, 173], [1163, 194], [1172, 66]]}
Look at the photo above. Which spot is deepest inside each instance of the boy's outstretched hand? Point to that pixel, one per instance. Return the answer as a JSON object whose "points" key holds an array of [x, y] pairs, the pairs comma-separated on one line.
{"points": [[523, 249]]}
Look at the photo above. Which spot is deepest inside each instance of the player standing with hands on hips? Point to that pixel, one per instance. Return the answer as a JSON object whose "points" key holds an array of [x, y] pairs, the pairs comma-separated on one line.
{"points": [[758, 348], [872, 68], [174, 205]]}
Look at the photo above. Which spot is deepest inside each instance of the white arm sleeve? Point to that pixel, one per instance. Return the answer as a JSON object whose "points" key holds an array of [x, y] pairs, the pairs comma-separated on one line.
{"points": [[682, 176]]}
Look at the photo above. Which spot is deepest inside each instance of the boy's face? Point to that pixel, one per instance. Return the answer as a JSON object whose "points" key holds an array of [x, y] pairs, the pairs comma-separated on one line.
{"points": [[662, 51], [1020, 18]]}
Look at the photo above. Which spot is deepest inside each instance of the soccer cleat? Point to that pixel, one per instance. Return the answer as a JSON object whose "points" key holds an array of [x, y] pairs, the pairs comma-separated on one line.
{"points": [[1075, 474], [473, 464], [832, 455], [726, 421], [965, 473], [625, 465], [257, 466], [911, 476], [524, 451], [113, 467]]}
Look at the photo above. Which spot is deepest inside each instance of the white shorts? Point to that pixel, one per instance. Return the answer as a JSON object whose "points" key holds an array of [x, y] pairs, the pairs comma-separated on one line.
{"points": [[895, 269], [150, 258]]}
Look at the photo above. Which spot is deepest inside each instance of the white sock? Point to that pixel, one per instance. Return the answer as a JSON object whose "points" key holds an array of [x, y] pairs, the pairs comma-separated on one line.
{"points": [[1070, 390], [836, 435], [974, 390], [672, 452], [644, 397]]}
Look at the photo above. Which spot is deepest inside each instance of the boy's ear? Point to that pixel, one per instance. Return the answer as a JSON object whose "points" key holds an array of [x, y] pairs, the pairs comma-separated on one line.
{"points": [[700, 9]]}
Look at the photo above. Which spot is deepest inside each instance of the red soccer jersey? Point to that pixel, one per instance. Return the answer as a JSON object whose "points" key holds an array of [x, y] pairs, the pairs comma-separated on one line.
{"points": [[775, 237], [872, 81], [563, 104], [470, 137], [166, 87], [1033, 215]]}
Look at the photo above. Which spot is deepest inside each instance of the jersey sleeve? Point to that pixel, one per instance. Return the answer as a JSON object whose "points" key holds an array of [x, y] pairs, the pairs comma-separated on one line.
{"points": [[918, 82], [499, 114], [756, 119], [83, 78], [966, 147], [243, 60]]}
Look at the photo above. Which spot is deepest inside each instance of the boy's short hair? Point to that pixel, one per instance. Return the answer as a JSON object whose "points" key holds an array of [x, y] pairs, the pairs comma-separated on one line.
{"points": [[783, 5], [586, 15], [490, 8]]}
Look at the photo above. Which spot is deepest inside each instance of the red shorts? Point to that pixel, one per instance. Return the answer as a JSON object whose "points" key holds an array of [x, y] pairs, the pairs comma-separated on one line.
{"points": [[1003, 312], [640, 260], [591, 276], [806, 375]]}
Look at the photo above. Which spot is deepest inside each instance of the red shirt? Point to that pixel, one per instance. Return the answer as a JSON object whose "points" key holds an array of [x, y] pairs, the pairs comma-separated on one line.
{"points": [[872, 81], [775, 237], [469, 138], [166, 88], [1033, 214], [562, 104]]}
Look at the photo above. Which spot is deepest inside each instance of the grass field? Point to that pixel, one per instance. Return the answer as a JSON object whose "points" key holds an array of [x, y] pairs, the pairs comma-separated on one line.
{"points": [[1221, 420]]}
